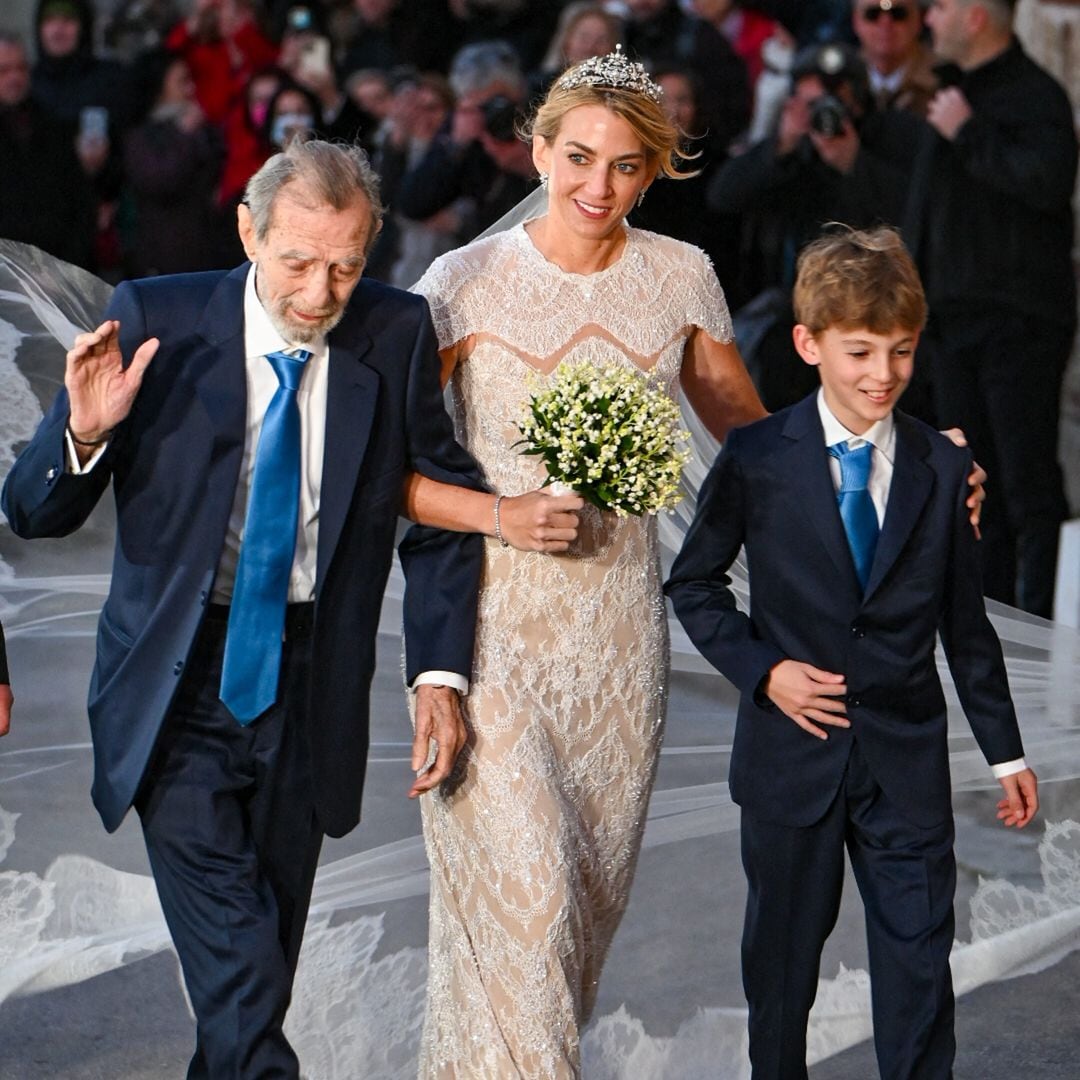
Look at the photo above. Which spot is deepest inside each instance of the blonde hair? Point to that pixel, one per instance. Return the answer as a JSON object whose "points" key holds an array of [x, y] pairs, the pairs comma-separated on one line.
{"points": [[659, 136], [858, 278]]}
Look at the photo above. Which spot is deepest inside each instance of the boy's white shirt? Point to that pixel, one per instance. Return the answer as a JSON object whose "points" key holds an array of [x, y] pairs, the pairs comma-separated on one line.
{"points": [[882, 436]]}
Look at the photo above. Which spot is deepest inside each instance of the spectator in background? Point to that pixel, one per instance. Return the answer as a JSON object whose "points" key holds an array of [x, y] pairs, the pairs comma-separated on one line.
{"points": [[67, 76], [45, 199], [406, 248], [292, 111], [137, 26], [810, 21], [172, 163], [584, 29], [246, 145], [680, 208], [834, 157], [478, 167], [79, 88], [899, 61], [745, 28], [659, 34], [991, 223], [391, 33], [526, 25], [223, 46], [306, 56]]}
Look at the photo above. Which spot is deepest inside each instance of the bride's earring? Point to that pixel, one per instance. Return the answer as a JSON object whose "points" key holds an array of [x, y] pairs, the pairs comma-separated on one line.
{"points": [[641, 196], [544, 180]]}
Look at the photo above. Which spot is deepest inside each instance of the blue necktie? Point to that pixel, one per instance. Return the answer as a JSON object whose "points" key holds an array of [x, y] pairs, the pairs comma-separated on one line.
{"points": [[856, 507], [252, 660]]}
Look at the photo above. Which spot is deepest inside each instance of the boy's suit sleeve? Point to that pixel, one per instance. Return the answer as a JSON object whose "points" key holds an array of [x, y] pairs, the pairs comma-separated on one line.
{"points": [[972, 647], [700, 588]]}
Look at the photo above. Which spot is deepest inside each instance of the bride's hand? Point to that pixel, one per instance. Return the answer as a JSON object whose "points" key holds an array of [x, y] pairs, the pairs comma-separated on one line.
{"points": [[540, 521], [976, 480]]}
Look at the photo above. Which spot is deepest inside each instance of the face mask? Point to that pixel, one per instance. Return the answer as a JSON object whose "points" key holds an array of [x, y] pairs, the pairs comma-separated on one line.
{"points": [[289, 124]]}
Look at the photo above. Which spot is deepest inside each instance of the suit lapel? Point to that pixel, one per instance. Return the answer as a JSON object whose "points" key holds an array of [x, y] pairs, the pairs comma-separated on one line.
{"points": [[807, 468], [217, 371], [912, 482], [351, 395]]}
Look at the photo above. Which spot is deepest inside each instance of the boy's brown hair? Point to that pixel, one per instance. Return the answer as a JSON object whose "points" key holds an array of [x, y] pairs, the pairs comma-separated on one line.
{"points": [[859, 278]]}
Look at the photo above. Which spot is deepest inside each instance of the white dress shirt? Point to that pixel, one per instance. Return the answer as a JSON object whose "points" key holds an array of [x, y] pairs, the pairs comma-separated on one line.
{"points": [[882, 436]]}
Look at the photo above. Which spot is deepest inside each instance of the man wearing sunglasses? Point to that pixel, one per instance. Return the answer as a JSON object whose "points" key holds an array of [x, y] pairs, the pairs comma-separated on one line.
{"points": [[899, 61]]}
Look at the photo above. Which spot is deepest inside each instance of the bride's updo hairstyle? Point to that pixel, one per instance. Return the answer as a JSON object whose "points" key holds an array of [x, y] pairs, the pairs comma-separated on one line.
{"points": [[623, 87]]}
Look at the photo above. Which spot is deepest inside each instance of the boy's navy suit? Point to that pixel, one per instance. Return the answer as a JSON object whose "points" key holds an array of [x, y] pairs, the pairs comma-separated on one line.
{"points": [[771, 489]]}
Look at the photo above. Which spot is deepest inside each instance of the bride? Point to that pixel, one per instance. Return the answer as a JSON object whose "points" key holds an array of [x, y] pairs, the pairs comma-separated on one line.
{"points": [[533, 842]]}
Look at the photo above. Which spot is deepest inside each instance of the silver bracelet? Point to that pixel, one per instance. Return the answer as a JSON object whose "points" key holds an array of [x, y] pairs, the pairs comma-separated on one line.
{"points": [[498, 524]]}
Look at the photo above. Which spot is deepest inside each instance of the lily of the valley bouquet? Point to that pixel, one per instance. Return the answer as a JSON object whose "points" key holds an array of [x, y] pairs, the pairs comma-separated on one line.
{"points": [[610, 436]]}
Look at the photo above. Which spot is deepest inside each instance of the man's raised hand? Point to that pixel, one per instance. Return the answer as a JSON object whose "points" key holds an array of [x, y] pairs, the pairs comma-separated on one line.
{"points": [[100, 388]]}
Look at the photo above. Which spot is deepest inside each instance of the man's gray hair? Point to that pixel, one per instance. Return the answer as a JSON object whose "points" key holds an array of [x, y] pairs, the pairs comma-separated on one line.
{"points": [[485, 64], [334, 173]]}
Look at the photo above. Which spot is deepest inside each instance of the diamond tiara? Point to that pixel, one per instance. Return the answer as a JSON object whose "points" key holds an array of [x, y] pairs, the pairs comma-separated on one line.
{"points": [[616, 71]]}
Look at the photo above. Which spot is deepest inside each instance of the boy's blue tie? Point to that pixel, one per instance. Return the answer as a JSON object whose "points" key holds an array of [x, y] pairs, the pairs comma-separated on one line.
{"points": [[856, 507], [257, 616]]}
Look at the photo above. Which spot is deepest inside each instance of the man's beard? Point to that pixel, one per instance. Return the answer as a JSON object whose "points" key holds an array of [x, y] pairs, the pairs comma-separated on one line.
{"points": [[303, 332]]}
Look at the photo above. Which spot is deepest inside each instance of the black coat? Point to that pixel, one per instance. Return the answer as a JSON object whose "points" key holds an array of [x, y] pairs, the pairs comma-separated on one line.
{"points": [[990, 213]]}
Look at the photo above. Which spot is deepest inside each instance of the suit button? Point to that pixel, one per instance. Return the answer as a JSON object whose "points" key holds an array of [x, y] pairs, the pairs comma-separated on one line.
{"points": [[178, 668]]}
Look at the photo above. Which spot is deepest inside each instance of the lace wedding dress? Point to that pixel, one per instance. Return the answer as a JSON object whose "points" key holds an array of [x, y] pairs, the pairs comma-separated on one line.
{"points": [[533, 841]]}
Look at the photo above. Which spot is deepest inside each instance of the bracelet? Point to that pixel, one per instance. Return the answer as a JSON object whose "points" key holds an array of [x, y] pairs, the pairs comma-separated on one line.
{"points": [[498, 524], [83, 442]]}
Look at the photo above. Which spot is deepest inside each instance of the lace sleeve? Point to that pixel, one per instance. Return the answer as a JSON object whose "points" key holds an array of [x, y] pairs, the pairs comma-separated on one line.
{"points": [[447, 287], [708, 307]]}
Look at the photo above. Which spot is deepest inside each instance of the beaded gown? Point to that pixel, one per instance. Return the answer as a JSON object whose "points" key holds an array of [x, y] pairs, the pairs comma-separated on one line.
{"points": [[533, 840]]}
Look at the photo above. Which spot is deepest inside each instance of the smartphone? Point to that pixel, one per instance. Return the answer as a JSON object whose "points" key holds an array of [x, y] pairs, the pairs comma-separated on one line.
{"points": [[315, 57], [93, 123]]}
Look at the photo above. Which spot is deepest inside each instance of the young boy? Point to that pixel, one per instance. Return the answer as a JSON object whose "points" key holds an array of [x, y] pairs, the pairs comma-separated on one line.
{"points": [[860, 551]]}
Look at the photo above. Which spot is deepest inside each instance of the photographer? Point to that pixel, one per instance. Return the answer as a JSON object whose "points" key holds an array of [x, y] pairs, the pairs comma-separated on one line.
{"points": [[477, 165], [833, 158]]}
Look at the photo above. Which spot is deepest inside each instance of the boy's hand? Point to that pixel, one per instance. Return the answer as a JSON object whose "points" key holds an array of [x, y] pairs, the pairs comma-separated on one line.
{"points": [[1021, 800], [805, 693]]}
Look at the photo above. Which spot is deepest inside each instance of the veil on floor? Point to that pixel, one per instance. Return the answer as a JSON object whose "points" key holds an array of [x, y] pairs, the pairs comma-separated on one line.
{"points": [[360, 997]]}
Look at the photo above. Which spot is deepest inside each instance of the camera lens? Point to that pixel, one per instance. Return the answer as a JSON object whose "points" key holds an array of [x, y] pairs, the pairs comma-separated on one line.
{"points": [[827, 115]]}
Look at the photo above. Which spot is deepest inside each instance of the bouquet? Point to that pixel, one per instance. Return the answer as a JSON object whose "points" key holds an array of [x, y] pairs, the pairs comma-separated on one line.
{"points": [[610, 436]]}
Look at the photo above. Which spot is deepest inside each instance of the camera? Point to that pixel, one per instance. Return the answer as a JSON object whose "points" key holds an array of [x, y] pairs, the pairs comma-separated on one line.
{"points": [[827, 115], [500, 116]]}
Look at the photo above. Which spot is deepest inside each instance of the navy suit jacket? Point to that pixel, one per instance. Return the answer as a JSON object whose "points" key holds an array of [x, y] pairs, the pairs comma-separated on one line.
{"points": [[174, 464], [771, 490]]}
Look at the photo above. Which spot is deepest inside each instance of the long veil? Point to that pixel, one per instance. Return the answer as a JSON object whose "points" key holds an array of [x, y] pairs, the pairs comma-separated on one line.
{"points": [[670, 1003]]}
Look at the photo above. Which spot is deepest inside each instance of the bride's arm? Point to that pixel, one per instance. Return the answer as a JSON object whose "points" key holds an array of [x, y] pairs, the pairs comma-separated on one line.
{"points": [[536, 521], [717, 384]]}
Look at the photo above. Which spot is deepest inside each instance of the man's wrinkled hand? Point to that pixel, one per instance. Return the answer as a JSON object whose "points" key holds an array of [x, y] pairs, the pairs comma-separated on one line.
{"points": [[439, 720]]}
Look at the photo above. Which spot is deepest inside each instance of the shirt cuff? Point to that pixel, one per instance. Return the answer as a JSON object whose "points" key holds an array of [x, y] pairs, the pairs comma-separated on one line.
{"points": [[442, 678], [1008, 768], [73, 465]]}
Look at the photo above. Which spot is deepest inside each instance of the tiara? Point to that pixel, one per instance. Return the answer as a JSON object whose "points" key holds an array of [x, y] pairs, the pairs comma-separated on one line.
{"points": [[615, 70]]}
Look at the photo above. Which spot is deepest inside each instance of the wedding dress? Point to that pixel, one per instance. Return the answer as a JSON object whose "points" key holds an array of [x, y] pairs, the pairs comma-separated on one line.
{"points": [[533, 841]]}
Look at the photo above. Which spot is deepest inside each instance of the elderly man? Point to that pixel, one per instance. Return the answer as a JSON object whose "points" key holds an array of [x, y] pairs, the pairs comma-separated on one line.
{"points": [[257, 426], [990, 218]]}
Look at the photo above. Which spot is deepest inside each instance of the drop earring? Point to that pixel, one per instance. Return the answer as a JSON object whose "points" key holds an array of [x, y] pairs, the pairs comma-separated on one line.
{"points": [[544, 180], [641, 196]]}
